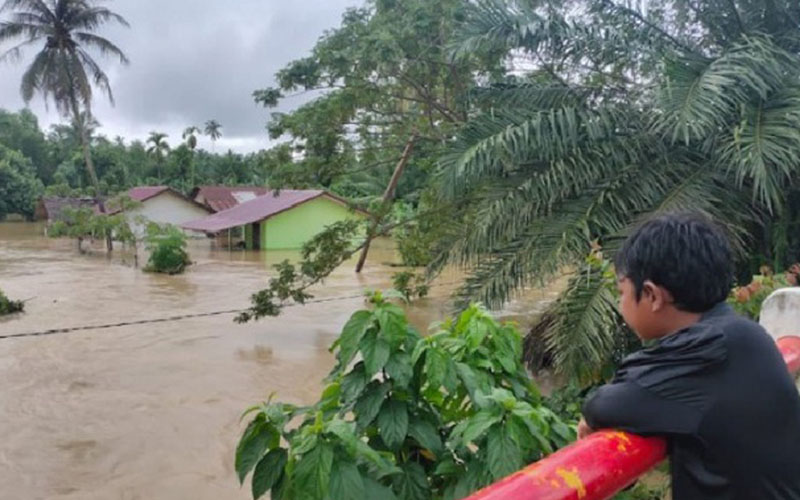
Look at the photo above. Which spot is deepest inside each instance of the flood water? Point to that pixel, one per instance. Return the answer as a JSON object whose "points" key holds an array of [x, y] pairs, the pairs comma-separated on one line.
{"points": [[152, 411]]}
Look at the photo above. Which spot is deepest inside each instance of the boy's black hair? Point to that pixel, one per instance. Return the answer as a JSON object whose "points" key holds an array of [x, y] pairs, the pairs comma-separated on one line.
{"points": [[685, 253]]}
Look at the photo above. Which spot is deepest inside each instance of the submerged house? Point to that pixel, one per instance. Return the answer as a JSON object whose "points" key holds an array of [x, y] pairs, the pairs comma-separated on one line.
{"points": [[285, 220], [219, 198], [51, 209], [164, 205]]}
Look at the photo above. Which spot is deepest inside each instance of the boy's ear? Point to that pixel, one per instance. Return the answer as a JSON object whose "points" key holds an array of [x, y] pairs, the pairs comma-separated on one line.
{"points": [[655, 294]]}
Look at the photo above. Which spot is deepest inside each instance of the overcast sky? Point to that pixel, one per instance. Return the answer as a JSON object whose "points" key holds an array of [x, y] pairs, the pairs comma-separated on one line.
{"points": [[194, 60]]}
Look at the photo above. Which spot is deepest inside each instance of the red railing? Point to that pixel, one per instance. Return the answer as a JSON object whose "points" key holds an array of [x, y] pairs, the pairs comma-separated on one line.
{"points": [[597, 467]]}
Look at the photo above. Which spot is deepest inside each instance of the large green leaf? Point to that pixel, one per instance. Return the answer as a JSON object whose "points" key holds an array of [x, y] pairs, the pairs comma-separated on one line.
{"points": [[313, 472], [351, 336], [374, 489], [399, 368], [426, 434], [375, 350], [479, 423], [503, 454], [370, 402], [268, 471], [354, 383], [346, 482], [412, 484], [254, 443], [435, 366], [393, 423]]}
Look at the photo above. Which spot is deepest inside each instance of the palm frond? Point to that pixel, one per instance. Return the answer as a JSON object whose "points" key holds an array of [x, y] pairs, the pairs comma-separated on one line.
{"points": [[584, 326], [496, 143], [10, 31], [99, 77], [500, 25], [34, 77], [89, 19], [105, 46], [33, 6], [701, 95], [765, 147], [15, 52], [530, 96]]}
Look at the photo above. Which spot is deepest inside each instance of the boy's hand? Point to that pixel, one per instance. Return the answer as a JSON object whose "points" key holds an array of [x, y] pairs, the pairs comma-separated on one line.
{"points": [[584, 429]]}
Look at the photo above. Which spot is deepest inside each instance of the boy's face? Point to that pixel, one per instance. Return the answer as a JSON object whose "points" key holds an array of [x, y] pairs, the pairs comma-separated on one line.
{"points": [[640, 314]]}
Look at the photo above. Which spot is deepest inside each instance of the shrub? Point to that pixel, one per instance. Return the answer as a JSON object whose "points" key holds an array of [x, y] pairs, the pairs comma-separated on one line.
{"points": [[747, 299], [405, 416], [8, 306], [410, 285], [167, 247]]}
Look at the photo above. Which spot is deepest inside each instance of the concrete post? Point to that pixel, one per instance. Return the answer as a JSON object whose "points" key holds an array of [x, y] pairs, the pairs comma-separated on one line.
{"points": [[780, 313]]}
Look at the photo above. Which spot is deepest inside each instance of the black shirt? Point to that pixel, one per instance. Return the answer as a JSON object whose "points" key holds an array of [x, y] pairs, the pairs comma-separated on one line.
{"points": [[720, 393]]}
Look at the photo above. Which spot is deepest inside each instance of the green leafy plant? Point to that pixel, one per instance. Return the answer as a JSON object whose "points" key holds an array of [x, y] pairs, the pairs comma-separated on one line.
{"points": [[748, 299], [84, 224], [410, 285], [167, 247], [405, 416], [8, 306], [319, 257]]}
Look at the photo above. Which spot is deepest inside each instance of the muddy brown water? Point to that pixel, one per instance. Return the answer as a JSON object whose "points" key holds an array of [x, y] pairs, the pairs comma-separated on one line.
{"points": [[152, 411]]}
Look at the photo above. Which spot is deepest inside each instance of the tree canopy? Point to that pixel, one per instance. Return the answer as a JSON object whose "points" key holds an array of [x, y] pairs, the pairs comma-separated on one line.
{"points": [[615, 112]]}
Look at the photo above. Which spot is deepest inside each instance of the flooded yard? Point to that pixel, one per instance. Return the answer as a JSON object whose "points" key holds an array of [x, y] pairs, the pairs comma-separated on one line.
{"points": [[151, 411]]}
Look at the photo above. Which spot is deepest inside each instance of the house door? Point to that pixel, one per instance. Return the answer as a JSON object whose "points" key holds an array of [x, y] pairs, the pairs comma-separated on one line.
{"points": [[257, 236]]}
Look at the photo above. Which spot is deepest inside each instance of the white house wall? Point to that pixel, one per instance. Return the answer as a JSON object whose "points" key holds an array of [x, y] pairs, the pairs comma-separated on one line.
{"points": [[167, 208]]}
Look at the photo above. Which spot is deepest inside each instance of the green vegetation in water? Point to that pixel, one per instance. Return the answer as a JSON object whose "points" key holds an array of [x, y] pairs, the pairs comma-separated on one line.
{"points": [[410, 285], [318, 258], [8, 306], [405, 416], [167, 246], [84, 224]]}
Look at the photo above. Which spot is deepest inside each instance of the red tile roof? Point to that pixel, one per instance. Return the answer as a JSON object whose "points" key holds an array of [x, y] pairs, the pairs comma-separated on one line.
{"points": [[219, 198], [143, 193], [254, 210]]}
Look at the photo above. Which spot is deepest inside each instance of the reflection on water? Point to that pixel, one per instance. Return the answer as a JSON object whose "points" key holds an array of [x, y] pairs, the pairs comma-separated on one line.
{"points": [[152, 411]]}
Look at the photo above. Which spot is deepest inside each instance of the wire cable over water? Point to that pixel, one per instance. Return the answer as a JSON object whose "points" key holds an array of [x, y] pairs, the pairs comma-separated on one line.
{"points": [[178, 317]]}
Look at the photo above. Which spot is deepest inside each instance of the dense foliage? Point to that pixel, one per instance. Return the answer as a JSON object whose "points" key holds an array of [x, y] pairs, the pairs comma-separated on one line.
{"points": [[52, 164], [748, 299], [617, 111], [8, 306], [62, 70], [19, 187], [84, 224], [318, 258], [405, 416], [167, 247]]}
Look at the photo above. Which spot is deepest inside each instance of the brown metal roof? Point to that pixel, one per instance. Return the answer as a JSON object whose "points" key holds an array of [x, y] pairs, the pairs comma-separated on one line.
{"points": [[143, 193], [54, 207], [219, 198], [255, 210]]}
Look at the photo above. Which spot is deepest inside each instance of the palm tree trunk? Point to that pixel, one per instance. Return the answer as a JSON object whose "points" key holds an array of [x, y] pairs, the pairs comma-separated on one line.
{"points": [[388, 195], [87, 154]]}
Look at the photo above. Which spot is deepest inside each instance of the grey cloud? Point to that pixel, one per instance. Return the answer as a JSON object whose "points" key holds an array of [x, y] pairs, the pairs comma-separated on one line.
{"points": [[193, 60]]}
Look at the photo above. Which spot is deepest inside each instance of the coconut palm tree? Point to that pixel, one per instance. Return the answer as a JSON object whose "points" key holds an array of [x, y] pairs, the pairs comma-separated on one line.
{"points": [[190, 136], [63, 70], [213, 130], [158, 149], [623, 113]]}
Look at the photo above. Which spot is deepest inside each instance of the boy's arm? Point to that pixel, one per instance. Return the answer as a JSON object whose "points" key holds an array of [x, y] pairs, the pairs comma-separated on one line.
{"points": [[629, 407]]}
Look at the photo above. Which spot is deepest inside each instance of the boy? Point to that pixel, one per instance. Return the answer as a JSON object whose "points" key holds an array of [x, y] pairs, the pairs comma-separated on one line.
{"points": [[712, 383]]}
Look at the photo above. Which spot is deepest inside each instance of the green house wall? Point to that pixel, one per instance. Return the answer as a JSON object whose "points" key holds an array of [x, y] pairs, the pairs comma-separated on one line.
{"points": [[292, 228], [248, 236]]}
